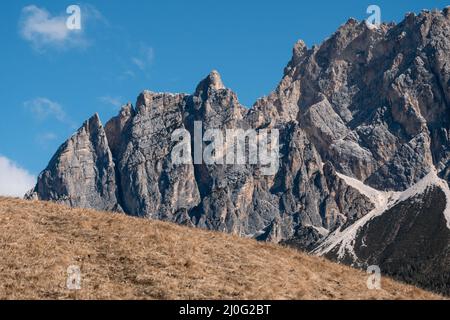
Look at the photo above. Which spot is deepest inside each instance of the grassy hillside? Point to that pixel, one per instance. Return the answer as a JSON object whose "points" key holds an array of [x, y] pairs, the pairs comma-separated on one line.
{"points": [[127, 258]]}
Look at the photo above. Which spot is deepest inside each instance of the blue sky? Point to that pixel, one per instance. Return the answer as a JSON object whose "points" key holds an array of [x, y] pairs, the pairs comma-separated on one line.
{"points": [[51, 80]]}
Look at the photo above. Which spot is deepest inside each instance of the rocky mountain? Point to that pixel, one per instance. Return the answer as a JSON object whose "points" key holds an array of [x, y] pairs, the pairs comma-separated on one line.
{"points": [[362, 118]]}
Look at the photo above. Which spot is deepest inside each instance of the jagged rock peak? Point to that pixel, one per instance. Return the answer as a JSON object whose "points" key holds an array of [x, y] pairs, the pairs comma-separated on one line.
{"points": [[213, 81], [127, 109], [352, 21], [298, 51], [93, 122], [147, 97], [446, 11], [127, 106]]}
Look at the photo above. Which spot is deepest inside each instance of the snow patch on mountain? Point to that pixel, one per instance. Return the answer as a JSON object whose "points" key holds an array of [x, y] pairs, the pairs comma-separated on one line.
{"points": [[344, 239], [375, 196]]}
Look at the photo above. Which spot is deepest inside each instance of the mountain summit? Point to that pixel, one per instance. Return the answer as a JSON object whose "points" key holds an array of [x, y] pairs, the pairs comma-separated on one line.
{"points": [[213, 80]]}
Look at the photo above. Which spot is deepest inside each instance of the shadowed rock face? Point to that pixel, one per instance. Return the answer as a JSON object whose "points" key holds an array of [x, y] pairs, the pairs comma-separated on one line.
{"points": [[410, 242], [372, 104]]}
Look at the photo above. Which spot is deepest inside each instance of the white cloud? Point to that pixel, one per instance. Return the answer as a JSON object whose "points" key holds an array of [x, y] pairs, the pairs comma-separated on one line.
{"points": [[91, 14], [44, 138], [14, 181], [145, 57], [48, 136], [114, 101], [127, 74], [42, 30], [43, 108]]}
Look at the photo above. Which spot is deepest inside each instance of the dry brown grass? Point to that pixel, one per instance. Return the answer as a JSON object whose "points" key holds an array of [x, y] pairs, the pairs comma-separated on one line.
{"points": [[128, 258]]}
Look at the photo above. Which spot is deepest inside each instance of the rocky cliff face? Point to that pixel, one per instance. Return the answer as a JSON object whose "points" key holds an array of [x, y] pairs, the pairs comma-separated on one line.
{"points": [[82, 172], [368, 109], [374, 102]]}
